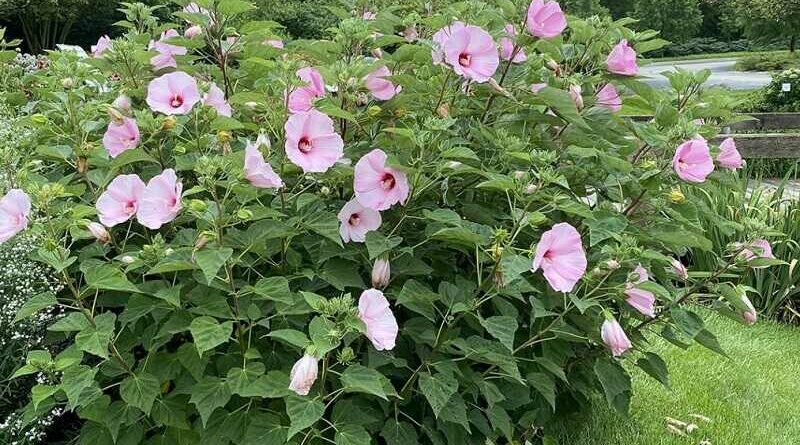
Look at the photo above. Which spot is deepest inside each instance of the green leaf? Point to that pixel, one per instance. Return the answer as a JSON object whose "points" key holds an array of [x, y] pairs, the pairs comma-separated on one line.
{"points": [[107, 277], [562, 104], [544, 385], [378, 244], [438, 389], [352, 435], [709, 340], [320, 329], [455, 411], [292, 337], [209, 394], [264, 429], [341, 274], [616, 384], [140, 390], [246, 381], [40, 393], [79, 385], [605, 227], [303, 412], [211, 260], [357, 378], [130, 157], [208, 333], [274, 289], [655, 367], [327, 225], [234, 7], [419, 298], [73, 321], [35, 304], [502, 328], [399, 433], [95, 339]]}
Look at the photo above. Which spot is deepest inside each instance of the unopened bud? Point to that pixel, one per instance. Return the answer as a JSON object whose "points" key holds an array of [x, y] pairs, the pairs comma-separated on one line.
{"points": [[127, 259], [519, 175], [99, 232], [531, 189], [499, 89], [612, 264], [122, 103], [575, 91], [377, 53], [554, 66], [381, 272], [198, 206], [169, 251], [67, 82], [168, 123], [115, 115], [374, 110], [676, 196], [251, 105], [193, 31], [453, 164], [443, 110], [244, 214], [81, 165], [325, 191], [201, 241], [410, 33], [224, 136], [400, 112]]}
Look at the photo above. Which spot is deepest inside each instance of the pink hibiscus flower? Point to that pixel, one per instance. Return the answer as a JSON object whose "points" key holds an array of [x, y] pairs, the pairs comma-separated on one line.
{"points": [[121, 200], [173, 93], [377, 186], [380, 87], [608, 97], [161, 200], [302, 98], [121, 136], [258, 171], [356, 220], [215, 98], [15, 208], [374, 311], [440, 38], [507, 46], [472, 53], [622, 60], [729, 156], [103, 44], [560, 255], [692, 161], [545, 19], [311, 142]]}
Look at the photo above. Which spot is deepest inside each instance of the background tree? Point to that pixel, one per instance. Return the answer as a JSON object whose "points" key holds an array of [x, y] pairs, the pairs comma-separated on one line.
{"points": [[770, 19], [585, 8], [678, 20], [43, 23]]}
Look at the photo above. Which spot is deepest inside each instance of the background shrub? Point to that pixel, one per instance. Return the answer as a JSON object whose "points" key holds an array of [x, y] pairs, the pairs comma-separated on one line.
{"points": [[768, 62]]}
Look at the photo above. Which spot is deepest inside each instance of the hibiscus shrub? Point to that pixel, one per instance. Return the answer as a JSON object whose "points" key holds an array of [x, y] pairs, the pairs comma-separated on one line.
{"points": [[424, 230]]}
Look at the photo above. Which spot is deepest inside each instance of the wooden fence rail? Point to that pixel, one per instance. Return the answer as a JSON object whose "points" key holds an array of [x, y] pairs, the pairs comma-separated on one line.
{"points": [[768, 144]]}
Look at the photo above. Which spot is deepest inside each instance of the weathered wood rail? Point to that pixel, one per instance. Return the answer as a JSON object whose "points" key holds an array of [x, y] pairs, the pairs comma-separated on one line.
{"points": [[762, 141]]}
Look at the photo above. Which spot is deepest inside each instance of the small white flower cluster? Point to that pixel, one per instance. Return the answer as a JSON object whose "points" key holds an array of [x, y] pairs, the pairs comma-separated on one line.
{"points": [[20, 279], [15, 431], [28, 62]]}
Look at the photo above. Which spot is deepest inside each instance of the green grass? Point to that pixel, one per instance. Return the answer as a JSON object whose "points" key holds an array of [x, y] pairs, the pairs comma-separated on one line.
{"points": [[751, 398], [704, 56]]}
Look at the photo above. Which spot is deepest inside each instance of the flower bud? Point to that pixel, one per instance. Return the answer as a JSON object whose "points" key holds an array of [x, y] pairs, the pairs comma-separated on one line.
{"points": [[325, 191], [81, 165], [127, 259], [374, 110], [410, 33], [67, 82], [122, 103], [531, 189], [519, 175], [576, 92], [377, 53], [303, 375], [553, 66], [168, 123], [614, 337], [115, 115], [381, 272], [224, 136], [453, 164], [39, 119], [749, 315], [193, 31], [443, 110], [198, 206], [676, 196], [497, 88], [679, 269], [612, 264], [251, 105], [99, 232], [169, 251], [244, 214], [201, 241]]}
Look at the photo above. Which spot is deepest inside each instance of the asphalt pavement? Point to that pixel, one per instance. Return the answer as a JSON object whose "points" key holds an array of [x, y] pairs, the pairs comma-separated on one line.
{"points": [[722, 73]]}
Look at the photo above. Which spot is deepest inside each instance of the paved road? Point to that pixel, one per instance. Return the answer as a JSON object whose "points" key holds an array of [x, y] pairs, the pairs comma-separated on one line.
{"points": [[722, 73]]}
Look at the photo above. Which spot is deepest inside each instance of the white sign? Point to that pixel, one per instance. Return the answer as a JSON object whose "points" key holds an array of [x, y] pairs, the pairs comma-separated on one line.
{"points": [[786, 87]]}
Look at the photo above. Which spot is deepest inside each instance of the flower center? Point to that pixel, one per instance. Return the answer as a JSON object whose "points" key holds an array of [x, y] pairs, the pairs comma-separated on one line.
{"points": [[464, 59], [387, 181], [176, 101], [305, 145], [683, 165], [130, 207], [354, 219]]}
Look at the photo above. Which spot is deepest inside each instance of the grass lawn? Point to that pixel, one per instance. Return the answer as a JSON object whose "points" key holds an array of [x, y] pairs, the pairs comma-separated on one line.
{"points": [[751, 398], [711, 56]]}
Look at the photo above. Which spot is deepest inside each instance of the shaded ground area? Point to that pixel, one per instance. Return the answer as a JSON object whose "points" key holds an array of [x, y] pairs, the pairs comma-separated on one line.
{"points": [[750, 398], [722, 73]]}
